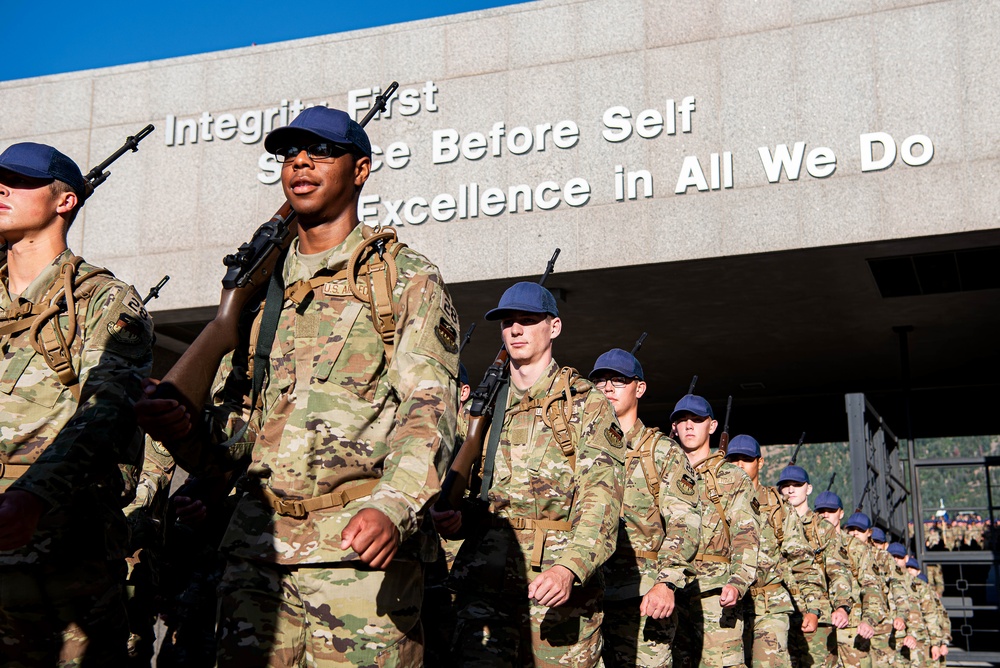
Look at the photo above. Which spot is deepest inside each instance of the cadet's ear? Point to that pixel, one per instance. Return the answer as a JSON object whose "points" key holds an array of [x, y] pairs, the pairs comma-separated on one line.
{"points": [[362, 170], [809, 489], [556, 325], [712, 426], [640, 389]]}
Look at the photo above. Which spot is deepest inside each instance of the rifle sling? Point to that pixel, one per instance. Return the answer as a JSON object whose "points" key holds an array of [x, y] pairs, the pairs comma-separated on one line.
{"points": [[493, 443]]}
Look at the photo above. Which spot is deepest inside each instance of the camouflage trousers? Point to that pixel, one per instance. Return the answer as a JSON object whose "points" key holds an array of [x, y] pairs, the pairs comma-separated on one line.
{"points": [[708, 636], [66, 615], [332, 615], [915, 658], [631, 639], [765, 639], [853, 650], [502, 631], [882, 651], [812, 650]]}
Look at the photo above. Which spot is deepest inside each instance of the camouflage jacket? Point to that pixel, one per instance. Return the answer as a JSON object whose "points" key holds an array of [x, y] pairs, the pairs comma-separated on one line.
{"points": [[733, 537], [824, 543], [535, 480], [75, 448], [785, 566], [894, 584], [863, 596], [335, 412], [669, 530], [926, 615]]}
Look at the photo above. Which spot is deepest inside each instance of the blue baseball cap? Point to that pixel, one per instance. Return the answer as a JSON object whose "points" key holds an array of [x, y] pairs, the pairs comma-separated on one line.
{"points": [[463, 374], [619, 361], [692, 403], [792, 473], [41, 161], [744, 445], [878, 535], [922, 576], [897, 550], [912, 563], [526, 297], [332, 125], [828, 501], [858, 521]]}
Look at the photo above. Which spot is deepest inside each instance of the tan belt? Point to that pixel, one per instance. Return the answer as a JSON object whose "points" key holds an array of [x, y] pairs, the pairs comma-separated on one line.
{"points": [[711, 557], [13, 471], [338, 498], [756, 591], [648, 555], [540, 527]]}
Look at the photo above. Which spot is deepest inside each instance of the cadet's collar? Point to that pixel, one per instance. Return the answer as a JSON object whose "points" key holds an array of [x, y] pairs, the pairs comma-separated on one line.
{"points": [[38, 287], [634, 434], [335, 260], [542, 386]]}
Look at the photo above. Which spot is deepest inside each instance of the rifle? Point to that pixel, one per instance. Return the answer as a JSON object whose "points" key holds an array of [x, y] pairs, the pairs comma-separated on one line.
{"points": [[481, 410], [694, 381], [249, 270], [97, 175], [154, 292], [467, 338], [638, 345], [724, 439], [829, 485], [861, 503], [795, 453]]}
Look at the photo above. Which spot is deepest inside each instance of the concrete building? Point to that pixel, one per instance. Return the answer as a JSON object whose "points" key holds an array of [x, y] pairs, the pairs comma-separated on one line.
{"points": [[766, 188]]}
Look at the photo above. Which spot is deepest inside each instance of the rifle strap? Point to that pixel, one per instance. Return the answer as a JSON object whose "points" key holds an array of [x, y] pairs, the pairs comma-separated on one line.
{"points": [[775, 514], [707, 472], [493, 443]]}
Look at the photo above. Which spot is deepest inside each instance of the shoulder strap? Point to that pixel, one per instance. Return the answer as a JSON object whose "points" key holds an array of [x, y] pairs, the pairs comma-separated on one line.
{"points": [[775, 514], [712, 487], [557, 418], [649, 472]]}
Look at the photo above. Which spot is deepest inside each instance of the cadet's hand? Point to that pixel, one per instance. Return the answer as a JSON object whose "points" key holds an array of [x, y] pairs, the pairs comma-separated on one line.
{"points": [[447, 522], [943, 649], [810, 622], [910, 641], [552, 588], [373, 536], [899, 624], [866, 630], [164, 420], [935, 653], [658, 603], [19, 515], [189, 511], [729, 597], [840, 618]]}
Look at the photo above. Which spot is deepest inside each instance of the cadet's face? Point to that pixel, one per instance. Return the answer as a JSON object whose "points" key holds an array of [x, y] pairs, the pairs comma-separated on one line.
{"points": [[528, 336], [859, 534], [750, 465], [623, 399], [693, 430], [323, 189], [901, 561], [27, 204], [832, 516], [796, 493]]}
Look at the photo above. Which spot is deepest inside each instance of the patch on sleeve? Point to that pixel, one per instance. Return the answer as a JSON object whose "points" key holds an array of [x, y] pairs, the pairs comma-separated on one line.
{"points": [[447, 335], [755, 504], [448, 308], [913, 586], [843, 552], [127, 330], [614, 434], [686, 485]]}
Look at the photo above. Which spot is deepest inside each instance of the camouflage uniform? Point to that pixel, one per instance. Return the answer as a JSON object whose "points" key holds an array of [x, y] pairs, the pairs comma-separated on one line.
{"points": [[337, 417], [543, 511], [657, 542], [712, 636], [935, 577], [887, 641], [864, 599], [926, 623], [819, 648], [69, 578], [785, 571]]}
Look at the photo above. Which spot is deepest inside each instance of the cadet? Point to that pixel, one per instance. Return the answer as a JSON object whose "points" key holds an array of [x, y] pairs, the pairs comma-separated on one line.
{"points": [[883, 649], [529, 590], [75, 344], [659, 531], [711, 620], [785, 569], [324, 546], [818, 647], [859, 605]]}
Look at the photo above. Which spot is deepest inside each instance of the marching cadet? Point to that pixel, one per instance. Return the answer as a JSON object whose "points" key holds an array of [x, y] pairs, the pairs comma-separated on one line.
{"points": [[75, 344], [785, 569], [529, 588], [817, 647], [860, 605], [883, 650], [659, 531], [325, 544], [710, 619]]}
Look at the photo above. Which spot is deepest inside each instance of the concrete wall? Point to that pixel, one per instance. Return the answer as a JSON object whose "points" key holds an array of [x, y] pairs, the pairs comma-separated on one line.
{"points": [[762, 74]]}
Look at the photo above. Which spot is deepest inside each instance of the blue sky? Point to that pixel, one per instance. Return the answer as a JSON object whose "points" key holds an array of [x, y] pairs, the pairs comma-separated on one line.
{"points": [[62, 36]]}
